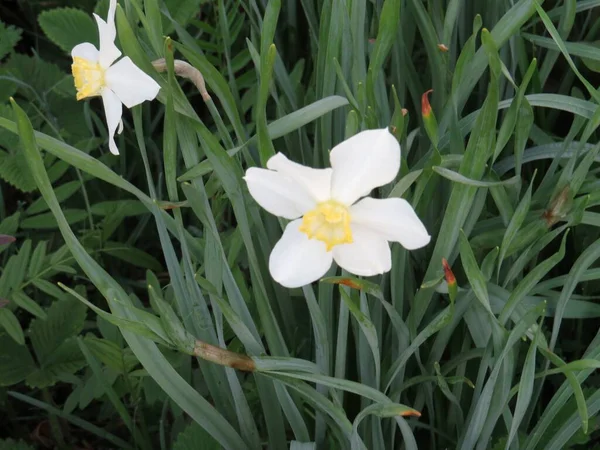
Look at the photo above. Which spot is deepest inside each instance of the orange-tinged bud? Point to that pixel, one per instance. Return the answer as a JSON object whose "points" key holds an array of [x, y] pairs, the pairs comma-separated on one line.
{"points": [[442, 48], [404, 111], [450, 278], [410, 412], [560, 206], [350, 283], [425, 106]]}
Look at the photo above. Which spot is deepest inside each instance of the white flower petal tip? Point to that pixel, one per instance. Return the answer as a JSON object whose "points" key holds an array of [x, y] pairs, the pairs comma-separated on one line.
{"points": [[368, 255], [297, 260], [392, 218], [107, 34], [278, 194], [316, 181], [114, 111], [363, 162], [86, 51], [121, 83], [132, 85]]}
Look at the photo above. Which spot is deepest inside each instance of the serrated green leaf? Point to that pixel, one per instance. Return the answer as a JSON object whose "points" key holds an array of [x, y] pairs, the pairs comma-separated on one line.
{"points": [[15, 361], [9, 36], [14, 170], [36, 76], [67, 27], [66, 359], [64, 319]]}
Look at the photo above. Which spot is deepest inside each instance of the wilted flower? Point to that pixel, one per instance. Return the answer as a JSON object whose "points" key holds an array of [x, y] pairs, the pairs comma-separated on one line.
{"points": [[328, 220], [118, 83]]}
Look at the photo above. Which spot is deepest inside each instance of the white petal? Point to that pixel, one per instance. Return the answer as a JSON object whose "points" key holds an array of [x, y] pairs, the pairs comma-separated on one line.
{"points": [[365, 161], [87, 51], [368, 255], [110, 17], [297, 260], [113, 109], [107, 34], [316, 181], [132, 85], [393, 219], [278, 194]]}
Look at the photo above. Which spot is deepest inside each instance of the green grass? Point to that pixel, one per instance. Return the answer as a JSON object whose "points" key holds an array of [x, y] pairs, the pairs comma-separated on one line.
{"points": [[166, 247]]}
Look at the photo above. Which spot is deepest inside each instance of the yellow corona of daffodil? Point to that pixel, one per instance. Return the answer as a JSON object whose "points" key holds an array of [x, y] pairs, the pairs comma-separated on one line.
{"points": [[118, 83], [330, 221]]}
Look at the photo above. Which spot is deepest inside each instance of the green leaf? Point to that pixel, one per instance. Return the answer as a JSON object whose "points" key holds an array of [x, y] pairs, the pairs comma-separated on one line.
{"points": [[458, 178], [66, 359], [111, 355], [152, 359], [515, 224], [90, 428], [389, 21], [562, 47], [278, 128], [381, 410], [297, 445], [36, 75], [9, 36], [14, 170], [182, 12], [47, 221], [525, 390], [474, 274], [190, 438], [9, 444], [11, 325], [143, 324], [132, 255], [129, 207], [63, 192], [15, 361], [460, 204], [67, 27], [64, 320], [22, 300]]}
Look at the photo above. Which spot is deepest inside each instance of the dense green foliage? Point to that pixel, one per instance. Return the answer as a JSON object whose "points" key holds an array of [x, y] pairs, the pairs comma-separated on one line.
{"points": [[121, 264]]}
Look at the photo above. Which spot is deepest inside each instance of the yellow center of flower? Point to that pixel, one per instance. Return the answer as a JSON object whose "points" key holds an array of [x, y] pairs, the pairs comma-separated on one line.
{"points": [[89, 77], [328, 222]]}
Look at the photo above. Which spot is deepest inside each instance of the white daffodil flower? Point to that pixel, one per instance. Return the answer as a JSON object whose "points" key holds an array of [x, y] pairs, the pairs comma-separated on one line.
{"points": [[118, 83], [329, 221]]}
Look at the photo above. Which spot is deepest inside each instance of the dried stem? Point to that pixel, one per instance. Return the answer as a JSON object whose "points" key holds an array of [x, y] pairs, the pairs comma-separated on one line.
{"points": [[185, 70], [224, 357]]}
